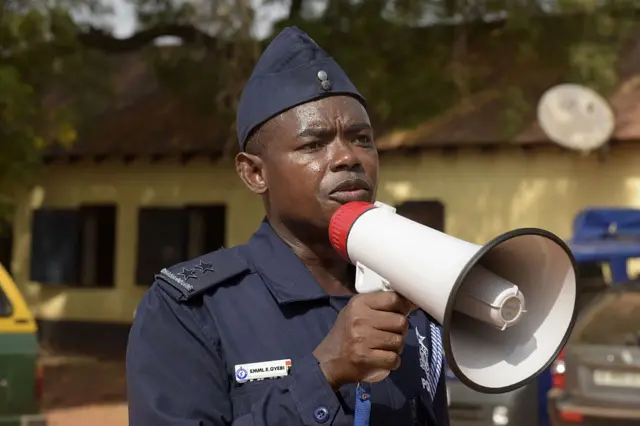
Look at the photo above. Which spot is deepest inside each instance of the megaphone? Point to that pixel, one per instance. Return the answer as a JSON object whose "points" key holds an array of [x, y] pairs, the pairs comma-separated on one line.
{"points": [[507, 308]]}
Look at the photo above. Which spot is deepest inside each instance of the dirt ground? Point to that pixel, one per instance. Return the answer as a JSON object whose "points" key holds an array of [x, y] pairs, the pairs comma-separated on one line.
{"points": [[94, 415], [84, 391]]}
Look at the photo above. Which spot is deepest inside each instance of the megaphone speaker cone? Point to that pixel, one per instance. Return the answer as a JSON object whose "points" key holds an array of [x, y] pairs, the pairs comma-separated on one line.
{"points": [[493, 360]]}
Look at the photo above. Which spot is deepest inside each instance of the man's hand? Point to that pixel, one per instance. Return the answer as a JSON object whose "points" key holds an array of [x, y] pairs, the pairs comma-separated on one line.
{"points": [[368, 335]]}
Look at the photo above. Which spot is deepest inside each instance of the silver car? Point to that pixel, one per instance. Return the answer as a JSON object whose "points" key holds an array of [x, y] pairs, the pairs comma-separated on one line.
{"points": [[470, 408], [597, 380]]}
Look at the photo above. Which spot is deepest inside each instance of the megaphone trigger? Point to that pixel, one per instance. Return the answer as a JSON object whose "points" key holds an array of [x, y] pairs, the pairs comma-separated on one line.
{"points": [[368, 281]]}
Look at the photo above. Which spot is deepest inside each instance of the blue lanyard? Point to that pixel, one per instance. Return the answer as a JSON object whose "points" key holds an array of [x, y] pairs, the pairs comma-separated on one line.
{"points": [[363, 405]]}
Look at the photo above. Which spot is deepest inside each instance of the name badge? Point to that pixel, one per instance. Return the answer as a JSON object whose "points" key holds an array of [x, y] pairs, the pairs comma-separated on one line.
{"points": [[262, 370]]}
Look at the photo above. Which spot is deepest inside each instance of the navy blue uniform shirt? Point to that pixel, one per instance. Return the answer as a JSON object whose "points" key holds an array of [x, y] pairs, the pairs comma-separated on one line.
{"points": [[253, 303]]}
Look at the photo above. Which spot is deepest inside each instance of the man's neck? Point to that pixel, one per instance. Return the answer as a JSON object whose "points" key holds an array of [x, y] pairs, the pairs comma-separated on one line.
{"points": [[332, 273]]}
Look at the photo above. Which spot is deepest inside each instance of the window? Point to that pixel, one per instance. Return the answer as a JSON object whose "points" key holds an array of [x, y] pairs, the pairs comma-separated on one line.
{"points": [[593, 280], [167, 236], [5, 306], [74, 247], [6, 246], [613, 319], [633, 268], [428, 213]]}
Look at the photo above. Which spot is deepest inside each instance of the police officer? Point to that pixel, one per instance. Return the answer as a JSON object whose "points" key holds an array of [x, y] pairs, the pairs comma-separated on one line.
{"points": [[269, 333]]}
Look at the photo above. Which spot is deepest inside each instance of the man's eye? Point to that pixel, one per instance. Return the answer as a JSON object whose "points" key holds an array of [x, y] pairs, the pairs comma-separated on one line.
{"points": [[363, 139], [312, 146]]}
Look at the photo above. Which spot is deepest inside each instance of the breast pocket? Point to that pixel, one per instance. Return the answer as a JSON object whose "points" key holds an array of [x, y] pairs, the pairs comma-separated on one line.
{"points": [[245, 395]]}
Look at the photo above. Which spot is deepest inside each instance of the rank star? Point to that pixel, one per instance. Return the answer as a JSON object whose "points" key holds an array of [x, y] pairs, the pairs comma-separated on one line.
{"points": [[204, 267], [186, 274]]}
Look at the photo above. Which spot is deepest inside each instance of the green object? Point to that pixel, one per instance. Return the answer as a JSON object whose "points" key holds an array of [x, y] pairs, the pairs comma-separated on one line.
{"points": [[20, 372], [18, 360]]}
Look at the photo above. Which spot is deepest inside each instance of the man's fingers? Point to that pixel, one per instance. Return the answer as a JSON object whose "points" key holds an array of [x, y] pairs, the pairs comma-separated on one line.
{"points": [[389, 301], [387, 360], [386, 341], [389, 321]]}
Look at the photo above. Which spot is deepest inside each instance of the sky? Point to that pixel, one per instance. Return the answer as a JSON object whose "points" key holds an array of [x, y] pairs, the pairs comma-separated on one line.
{"points": [[123, 21]]}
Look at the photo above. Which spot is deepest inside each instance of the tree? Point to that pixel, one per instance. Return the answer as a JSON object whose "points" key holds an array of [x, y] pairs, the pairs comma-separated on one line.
{"points": [[54, 68], [38, 48]]}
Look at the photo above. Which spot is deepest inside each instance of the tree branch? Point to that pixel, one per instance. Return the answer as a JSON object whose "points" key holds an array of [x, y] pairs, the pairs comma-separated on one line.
{"points": [[295, 10], [190, 34], [101, 40]]}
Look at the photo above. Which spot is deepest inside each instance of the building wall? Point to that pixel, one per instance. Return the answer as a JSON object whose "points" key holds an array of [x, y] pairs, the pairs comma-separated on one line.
{"points": [[484, 195]]}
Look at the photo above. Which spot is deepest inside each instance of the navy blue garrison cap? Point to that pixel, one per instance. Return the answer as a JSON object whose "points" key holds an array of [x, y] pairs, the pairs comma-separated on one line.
{"points": [[292, 70]]}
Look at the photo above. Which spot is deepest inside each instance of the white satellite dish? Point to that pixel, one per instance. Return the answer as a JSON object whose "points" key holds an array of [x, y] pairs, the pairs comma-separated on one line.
{"points": [[576, 117]]}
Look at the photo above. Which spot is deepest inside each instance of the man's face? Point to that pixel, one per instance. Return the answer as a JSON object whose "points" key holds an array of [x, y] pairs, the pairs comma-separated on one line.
{"points": [[320, 155]]}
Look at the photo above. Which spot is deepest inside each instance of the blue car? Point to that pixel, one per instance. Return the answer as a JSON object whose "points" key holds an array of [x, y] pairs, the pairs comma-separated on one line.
{"points": [[596, 380]]}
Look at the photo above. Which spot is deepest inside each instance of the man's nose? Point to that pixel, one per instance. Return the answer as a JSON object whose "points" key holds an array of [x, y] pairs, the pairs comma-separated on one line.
{"points": [[344, 156]]}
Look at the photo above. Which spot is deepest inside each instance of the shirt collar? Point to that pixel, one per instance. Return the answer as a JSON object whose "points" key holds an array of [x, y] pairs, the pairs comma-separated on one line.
{"points": [[284, 274]]}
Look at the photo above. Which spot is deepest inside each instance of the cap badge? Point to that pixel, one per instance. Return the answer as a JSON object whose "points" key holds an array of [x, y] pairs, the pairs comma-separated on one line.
{"points": [[324, 80]]}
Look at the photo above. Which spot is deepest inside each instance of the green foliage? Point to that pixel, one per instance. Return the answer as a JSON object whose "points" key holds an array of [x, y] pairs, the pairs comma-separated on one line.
{"points": [[52, 83], [585, 50], [48, 84], [411, 72], [20, 138]]}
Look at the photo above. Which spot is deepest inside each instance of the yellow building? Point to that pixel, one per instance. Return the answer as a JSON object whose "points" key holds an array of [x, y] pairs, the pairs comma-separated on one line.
{"points": [[89, 237]]}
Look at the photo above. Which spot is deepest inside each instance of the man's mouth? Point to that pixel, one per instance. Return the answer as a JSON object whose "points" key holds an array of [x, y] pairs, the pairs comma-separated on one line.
{"points": [[351, 190]]}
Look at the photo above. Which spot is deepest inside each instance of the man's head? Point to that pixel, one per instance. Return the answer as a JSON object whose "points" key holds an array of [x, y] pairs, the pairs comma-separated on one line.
{"points": [[310, 159], [305, 137]]}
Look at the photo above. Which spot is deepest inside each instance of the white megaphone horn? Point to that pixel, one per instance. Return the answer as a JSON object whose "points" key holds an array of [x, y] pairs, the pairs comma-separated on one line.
{"points": [[507, 308]]}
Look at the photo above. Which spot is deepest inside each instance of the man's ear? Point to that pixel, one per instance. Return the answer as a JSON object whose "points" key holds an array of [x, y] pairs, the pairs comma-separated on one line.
{"points": [[251, 170]]}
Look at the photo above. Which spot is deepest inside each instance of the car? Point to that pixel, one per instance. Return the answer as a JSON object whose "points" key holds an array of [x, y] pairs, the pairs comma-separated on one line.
{"points": [[596, 380], [470, 408], [21, 376]]}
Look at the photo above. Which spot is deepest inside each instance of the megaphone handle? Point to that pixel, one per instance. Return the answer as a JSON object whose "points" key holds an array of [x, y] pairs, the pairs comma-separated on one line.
{"points": [[362, 413], [363, 396]]}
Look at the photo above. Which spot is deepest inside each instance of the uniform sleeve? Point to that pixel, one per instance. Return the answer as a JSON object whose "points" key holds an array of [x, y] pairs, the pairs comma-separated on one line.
{"points": [[176, 376], [173, 377], [440, 403]]}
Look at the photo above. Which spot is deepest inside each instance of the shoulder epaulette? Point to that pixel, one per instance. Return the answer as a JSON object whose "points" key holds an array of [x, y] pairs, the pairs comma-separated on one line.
{"points": [[196, 276]]}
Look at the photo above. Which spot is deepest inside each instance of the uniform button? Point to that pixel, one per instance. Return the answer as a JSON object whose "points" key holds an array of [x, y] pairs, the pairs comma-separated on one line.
{"points": [[321, 415]]}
